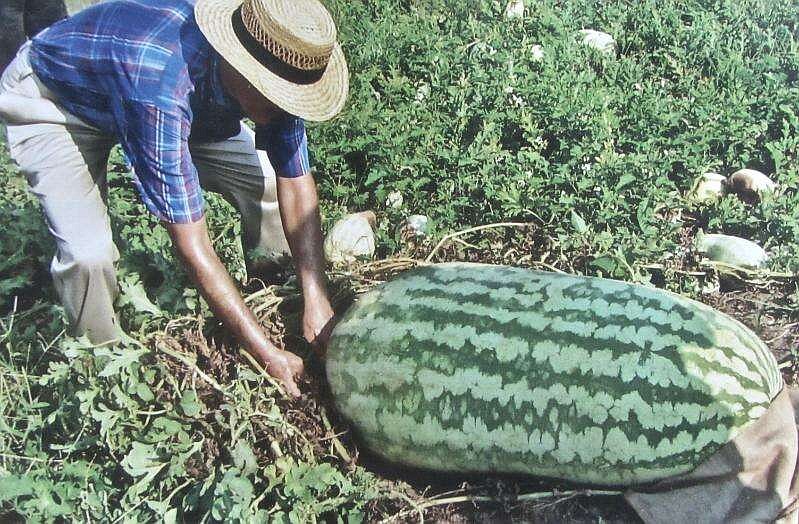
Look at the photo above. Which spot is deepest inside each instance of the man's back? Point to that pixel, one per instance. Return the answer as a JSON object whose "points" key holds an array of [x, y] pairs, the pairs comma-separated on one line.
{"points": [[142, 71], [142, 52]]}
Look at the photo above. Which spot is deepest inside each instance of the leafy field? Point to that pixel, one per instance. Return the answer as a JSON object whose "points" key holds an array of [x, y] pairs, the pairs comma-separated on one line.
{"points": [[592, 157]]}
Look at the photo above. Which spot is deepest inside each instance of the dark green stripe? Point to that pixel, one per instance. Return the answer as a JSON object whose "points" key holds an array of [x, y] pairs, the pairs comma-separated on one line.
{"points": [[485, 361], [515, 414]]}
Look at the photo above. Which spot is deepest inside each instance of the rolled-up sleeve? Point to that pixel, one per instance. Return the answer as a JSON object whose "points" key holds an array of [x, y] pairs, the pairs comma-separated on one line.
{"points": [[286, 144], [156, 143]]}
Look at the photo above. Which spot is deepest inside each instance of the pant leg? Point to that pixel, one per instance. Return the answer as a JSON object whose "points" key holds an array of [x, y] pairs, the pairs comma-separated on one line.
{"points": [[64, 161], [246, 179]]}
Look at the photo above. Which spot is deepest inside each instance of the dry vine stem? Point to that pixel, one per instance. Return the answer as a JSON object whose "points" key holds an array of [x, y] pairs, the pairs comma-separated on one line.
{"points": [[374, 271], [260, 369], [472, 230], [527, 497], [786, 331], [192, 365], [745, 273], [342, 451]]}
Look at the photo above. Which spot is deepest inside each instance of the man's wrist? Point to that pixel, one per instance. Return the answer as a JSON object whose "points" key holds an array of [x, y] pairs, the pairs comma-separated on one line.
{"points": [[314, 286], [264, 349], [316, 299]]}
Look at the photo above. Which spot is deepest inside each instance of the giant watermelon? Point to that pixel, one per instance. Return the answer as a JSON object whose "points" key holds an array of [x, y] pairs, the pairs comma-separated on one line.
{"points": [[479, 368]]}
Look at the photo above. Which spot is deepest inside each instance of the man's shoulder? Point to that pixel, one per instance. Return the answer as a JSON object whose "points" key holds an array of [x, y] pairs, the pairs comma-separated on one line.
{"points": [[157, 28], [149, 51]]}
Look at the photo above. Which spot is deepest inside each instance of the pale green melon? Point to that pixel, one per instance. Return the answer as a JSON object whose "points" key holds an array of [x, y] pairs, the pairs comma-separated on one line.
{"points": [[477, 368]]}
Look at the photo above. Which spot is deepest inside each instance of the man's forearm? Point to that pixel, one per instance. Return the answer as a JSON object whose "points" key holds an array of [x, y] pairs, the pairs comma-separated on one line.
{"points": [[193, 245], [299, 210], [217, 287]]}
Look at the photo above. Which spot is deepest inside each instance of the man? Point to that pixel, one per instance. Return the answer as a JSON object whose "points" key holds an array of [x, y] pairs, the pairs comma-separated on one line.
{"points": [[21, 19], [170, 81]]}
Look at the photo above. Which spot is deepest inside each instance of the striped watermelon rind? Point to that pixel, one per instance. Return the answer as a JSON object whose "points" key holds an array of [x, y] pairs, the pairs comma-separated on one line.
{"points": [[478, 368]]}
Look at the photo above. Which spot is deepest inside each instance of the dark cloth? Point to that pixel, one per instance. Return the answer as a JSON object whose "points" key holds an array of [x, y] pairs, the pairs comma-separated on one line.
{"points": [[21, 19], [40, 14], [751, 479]]}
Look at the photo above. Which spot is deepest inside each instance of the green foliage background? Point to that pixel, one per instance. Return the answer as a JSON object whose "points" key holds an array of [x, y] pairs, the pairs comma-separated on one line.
{"points": [[448, 107]]}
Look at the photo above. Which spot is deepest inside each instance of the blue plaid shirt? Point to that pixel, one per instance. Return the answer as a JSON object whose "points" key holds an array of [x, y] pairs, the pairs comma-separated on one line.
{"points": [[142, 71]]}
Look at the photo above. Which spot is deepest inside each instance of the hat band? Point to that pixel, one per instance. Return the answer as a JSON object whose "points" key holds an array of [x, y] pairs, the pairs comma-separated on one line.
{"points": [[288, 55], [266, 57]]}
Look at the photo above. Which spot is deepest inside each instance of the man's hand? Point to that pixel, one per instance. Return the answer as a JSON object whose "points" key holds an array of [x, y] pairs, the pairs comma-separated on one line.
{"points": [[193, 245], [299, 210], [285, 367], [317, 323]]}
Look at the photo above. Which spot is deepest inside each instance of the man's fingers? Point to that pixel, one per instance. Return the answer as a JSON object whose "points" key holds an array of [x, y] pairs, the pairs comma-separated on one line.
{"points": [[286, 367], [298, 368], [287, 377], [319, 339], [291, 387], [295, 369]]}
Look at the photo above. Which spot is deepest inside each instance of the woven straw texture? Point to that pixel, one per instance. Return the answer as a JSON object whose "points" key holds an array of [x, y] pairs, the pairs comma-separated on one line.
{"points": [[299, 32]]}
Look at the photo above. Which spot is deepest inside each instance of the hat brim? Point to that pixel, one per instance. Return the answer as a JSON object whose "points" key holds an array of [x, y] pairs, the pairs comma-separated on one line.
{"points": [[318, 101]]}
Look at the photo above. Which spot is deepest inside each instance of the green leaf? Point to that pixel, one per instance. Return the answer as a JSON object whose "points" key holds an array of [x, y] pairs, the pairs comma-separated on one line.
{"points": [[14, 486], [606, 263], [244, 458], [140, 460], [190, 404], [144, 392], [373, 177], [355, 517], [141, 463], [120, 360], [578, 223], [624, 181], [133, 294], [171, 516]]}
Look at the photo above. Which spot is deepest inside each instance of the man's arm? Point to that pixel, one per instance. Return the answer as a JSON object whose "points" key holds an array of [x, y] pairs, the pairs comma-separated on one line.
{"points": [[193, 245], [299, 210], [156, 143]]}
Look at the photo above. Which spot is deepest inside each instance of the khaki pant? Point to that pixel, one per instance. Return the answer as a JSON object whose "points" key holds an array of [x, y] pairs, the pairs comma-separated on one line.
{"points": [[64, 160]]}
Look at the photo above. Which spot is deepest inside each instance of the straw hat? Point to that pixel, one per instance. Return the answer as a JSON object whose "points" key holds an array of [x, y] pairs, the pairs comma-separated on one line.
{"points": [[286, 49]]}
